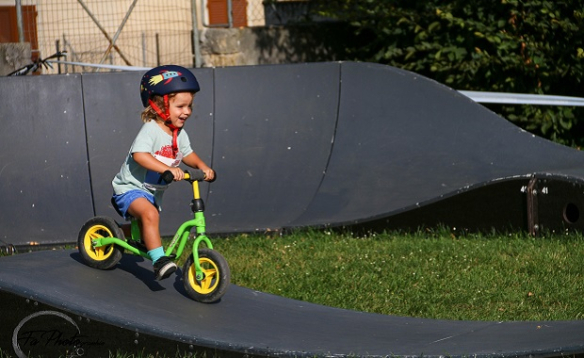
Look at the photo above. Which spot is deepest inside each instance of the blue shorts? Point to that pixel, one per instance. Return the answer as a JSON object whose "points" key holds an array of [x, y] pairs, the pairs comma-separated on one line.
{"points": [[122, 202]]}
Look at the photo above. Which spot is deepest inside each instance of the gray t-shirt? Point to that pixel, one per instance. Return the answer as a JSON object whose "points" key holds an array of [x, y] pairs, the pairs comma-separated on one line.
{"points": [[154, 140]]}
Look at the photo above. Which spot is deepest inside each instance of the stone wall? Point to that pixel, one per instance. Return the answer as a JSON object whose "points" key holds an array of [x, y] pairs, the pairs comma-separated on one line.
{"points": [[275, 45], [13, 56]]}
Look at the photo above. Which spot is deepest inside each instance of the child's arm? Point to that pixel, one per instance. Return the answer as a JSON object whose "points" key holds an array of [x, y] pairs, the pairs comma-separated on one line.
{"points": [[193, 161], [149, 162]]}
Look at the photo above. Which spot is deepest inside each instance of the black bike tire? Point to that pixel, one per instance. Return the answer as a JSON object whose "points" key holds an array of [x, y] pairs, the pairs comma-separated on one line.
{"points": [[107, 257], [219, 283]]}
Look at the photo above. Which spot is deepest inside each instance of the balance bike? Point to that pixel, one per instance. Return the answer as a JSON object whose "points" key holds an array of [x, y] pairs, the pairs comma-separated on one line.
{"points": [[206, 276]]}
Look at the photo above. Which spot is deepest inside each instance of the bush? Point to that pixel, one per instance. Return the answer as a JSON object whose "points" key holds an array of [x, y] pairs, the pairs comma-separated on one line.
{"points": [[512, 46]]}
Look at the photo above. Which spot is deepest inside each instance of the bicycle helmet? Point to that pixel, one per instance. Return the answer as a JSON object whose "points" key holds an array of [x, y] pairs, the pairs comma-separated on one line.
{"points": [[162, 81]]}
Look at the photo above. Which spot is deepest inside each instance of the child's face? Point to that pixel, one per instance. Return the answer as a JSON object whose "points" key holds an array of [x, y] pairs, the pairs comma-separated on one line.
{"points": [[180, 108]]}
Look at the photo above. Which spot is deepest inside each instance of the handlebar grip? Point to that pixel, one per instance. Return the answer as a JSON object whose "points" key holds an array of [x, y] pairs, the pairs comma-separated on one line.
{"points": [[195, 174], [167, 176]]}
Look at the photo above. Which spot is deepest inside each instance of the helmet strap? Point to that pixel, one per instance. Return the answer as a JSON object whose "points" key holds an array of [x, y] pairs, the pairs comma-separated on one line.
{"points": [[165, 115]]}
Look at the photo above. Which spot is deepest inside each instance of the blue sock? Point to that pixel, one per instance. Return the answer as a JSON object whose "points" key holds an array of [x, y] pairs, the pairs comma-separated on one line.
{"points": [[156, 254]]}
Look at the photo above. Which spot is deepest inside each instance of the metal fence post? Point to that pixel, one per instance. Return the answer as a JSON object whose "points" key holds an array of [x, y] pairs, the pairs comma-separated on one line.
{"points": [[230, 13], [195, 32], [18, 4]]}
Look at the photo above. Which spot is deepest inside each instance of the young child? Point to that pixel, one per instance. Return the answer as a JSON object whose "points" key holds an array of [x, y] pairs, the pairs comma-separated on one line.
{"points": [[167, 92]]}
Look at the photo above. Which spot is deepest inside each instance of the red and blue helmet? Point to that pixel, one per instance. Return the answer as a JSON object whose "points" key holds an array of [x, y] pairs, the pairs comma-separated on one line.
{"points": [[164, 80]]}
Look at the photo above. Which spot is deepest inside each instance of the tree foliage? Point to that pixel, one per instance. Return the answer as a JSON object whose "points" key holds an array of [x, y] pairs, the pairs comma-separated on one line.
{"points": [[529, 46]]}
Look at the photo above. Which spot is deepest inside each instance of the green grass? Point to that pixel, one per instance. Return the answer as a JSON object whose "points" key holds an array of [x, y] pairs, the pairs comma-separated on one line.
{"points": [[432, 274]]}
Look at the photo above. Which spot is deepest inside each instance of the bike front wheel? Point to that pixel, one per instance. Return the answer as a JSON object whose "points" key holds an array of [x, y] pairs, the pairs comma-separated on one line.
{"points": [[104, 257], [216, 276]]}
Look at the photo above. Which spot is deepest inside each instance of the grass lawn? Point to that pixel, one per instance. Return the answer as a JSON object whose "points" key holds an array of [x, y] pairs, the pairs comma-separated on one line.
{"points": [[430, 274]]}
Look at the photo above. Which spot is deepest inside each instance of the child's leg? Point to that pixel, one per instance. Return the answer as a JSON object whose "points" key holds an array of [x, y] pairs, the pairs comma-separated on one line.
{"points": [[149, 219]]}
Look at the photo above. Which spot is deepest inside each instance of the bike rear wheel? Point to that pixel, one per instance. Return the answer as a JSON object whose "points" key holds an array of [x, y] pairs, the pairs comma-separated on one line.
{"points": [[216, 276], [104, 257]]}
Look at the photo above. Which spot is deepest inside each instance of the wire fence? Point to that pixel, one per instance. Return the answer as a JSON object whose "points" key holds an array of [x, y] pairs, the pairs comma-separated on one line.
{"points": [[142, 33]]}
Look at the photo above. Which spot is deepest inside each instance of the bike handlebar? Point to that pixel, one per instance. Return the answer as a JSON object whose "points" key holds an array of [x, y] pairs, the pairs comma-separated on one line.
{"points": [[41, 62], [193, 175]]}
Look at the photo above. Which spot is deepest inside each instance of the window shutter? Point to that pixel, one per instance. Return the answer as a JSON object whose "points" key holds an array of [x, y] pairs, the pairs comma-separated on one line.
{"points": [[218, 13]]}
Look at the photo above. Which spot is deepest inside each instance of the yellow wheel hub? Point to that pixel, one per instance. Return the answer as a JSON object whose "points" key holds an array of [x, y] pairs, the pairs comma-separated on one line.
{"points": [[94, 233], [211, 279]]}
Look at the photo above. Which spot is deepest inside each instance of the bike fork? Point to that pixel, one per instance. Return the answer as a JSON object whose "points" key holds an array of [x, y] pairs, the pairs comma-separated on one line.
{"points": [[199, 274]]}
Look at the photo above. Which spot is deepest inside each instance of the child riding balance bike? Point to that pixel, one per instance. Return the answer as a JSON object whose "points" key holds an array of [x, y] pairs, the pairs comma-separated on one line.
{"points": [[152, 163]]}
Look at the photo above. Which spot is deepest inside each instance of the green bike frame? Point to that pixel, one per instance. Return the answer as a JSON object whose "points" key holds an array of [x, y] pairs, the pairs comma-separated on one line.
{"points": [[180, 237]]}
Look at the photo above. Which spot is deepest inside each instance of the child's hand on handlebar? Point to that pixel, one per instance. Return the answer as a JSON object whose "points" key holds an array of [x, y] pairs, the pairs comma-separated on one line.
{"points": [[209, 174], [177, 173]]}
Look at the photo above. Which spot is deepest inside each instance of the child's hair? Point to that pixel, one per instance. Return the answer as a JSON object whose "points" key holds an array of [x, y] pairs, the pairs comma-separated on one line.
{"points": [[149, 114]]}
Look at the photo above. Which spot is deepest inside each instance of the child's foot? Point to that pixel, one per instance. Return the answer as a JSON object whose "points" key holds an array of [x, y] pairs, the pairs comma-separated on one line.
{"points": [[163, 268]]}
